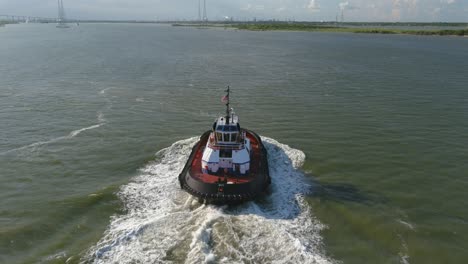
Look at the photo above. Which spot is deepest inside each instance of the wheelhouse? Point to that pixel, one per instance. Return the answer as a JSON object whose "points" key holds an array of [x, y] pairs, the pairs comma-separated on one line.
{"points": [[227, 148]]}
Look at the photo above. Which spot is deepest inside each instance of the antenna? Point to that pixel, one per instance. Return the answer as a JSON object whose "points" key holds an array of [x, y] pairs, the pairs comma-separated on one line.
{"points": [[199, 11], [61, 15], [61, 12], [205, 18]]}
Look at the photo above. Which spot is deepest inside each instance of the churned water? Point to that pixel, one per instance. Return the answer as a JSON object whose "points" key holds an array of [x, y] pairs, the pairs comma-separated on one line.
{"points": [[163, 223], [366, 136]]}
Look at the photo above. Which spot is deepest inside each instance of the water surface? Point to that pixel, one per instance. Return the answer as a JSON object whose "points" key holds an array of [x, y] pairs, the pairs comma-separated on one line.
{"points": [[381, 121]]}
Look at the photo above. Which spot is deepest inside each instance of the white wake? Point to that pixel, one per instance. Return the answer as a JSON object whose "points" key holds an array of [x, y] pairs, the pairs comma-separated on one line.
{"points": [[163, 224], [32, 147]]}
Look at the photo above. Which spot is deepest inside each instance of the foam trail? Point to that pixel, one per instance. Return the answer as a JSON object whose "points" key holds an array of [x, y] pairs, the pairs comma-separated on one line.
{"points": [[162, 223], [406, 224], [404, 256], [77, 132], [100, 114], [103, 91], [35, 145], [100, 118]]}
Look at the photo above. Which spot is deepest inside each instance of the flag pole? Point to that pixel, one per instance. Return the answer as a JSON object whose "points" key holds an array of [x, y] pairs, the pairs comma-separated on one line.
{"points": [[227, 105]]}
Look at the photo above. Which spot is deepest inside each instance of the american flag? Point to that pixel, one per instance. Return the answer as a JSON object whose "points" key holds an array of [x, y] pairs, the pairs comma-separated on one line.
{"points": [[224, 99]]}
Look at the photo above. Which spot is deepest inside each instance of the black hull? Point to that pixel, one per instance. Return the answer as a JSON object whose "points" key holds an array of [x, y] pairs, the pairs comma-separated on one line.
{"points": [[231, 193]]}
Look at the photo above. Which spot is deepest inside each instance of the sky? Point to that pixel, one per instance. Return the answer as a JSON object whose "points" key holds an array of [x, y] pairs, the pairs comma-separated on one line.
{"points": [[298, 10]]}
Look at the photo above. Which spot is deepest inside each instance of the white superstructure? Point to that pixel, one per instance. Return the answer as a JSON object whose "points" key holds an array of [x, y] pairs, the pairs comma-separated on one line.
{"points": [[227, 149]]}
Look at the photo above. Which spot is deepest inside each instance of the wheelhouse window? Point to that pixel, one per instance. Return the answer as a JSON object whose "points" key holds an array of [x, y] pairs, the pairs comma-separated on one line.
{"points": [[227, 128], [227, 137], [225, 153], [233, 137]]}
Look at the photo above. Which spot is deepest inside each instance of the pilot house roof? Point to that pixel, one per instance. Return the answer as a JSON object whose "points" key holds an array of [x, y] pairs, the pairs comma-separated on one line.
{"points": [[233, 125]]}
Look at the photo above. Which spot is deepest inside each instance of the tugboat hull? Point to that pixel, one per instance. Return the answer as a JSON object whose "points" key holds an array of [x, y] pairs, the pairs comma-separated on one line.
{"points": [[225, 187]]}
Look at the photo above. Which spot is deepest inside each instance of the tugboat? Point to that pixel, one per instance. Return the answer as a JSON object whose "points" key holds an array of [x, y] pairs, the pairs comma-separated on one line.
{"points": [[228, 164]]}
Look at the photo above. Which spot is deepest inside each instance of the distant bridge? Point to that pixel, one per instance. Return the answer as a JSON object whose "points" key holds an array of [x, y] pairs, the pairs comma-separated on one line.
{"points": [[30, 19]]}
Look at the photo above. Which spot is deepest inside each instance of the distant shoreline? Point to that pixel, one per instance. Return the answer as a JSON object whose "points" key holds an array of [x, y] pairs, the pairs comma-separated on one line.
{"points": [[438, 29], [364, 30], [422, 29], [4, 23]]}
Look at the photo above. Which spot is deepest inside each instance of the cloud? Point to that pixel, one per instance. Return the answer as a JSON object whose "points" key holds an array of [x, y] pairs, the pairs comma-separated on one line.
{"points": [[346, 6], [436, 11], [343, 5], [355, 10], [250, 7], [246, 7], [280, 9], [313, 5], [449, 2], [410, 9], [407, 4], [259, 7]]}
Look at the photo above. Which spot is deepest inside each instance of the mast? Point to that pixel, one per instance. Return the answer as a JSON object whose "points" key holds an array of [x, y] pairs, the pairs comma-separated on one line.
{"points": [[227, 105]]}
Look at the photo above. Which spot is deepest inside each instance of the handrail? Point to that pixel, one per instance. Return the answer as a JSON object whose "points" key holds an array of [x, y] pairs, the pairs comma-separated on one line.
{"points": [[217, 146], [214, 143]]}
